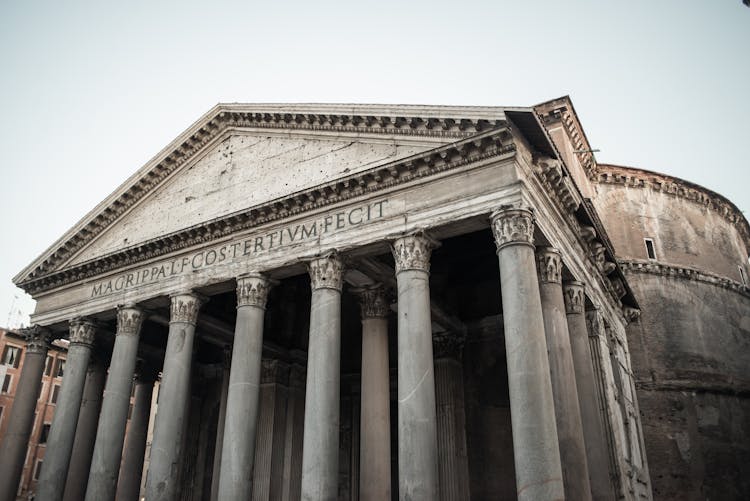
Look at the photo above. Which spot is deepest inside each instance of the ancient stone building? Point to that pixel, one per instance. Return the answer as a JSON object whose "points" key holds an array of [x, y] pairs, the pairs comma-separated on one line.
{"points": [[408, 302]]}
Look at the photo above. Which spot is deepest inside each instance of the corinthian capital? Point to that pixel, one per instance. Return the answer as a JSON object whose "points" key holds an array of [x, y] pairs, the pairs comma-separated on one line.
{"points": [[252, 290], [549, 265], [512, 227], [185, 306], [129, 320], [373, 301], [37, 339], [448, 345], [82, 331], [412, 252], [575, 298], [326, 272]]}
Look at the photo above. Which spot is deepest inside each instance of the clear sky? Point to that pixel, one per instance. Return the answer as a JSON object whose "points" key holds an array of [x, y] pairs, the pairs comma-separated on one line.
{"points": [[90, 91]]}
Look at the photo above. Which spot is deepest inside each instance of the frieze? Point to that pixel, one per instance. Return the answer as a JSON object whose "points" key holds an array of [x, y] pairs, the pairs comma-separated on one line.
{"points": [[494, 142], [129, 320], [326, 272], [252, 290], [412, 252], [549, 265], [184, 307], [512, 226], [82, 331]]}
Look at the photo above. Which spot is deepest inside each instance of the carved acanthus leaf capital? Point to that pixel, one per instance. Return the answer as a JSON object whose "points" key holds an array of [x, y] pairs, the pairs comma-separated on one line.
{"points": [[512, 227], [373, 301], [37, 338], [412, 252], [326, 272], [82, 331], [549, 265], [448, 345], [129, 320], [274, 371], [185, 307], [574, 296], [595, 323], [252, 290]]}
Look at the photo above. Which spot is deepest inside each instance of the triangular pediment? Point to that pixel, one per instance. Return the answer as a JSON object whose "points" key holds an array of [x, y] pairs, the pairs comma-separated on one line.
{"points": [[239, 156]]}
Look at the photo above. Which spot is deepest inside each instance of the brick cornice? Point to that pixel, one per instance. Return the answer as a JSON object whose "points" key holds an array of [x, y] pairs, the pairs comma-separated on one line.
{"points": [[684, 273]]}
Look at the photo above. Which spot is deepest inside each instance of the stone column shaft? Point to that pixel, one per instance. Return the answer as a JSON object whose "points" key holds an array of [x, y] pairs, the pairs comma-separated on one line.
{"points": [[241, 421], [535, 444], [293, 439], [174, 396], [131, 470], [105, 464], [417, 418], [20, 421], [375, 413], [216, 476], [564, 391], [83, 444], [320, 451], [62, 432]]}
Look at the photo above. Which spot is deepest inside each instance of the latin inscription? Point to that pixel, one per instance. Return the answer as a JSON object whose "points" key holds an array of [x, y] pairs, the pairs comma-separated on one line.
{"points": [[242, 248]]}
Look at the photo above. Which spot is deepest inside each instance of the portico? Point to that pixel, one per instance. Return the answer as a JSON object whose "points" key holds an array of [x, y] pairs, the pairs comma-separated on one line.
{"points": [[373, 278]]}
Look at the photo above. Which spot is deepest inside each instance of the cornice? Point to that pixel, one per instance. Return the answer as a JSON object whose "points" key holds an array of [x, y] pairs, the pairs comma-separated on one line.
{"points": [[359, 120], [685, 273], [482, 146], [638, 178]]}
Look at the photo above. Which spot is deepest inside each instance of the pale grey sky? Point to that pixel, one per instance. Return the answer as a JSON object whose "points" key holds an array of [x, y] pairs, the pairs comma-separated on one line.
{"points": [[91, 90]]}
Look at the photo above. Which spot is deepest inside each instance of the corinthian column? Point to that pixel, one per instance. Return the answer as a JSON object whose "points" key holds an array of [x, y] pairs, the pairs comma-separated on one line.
{"points": [[16, 440], [240, 423], [567, 411], [417, 433], [453, 460], [320, 450], [63, 429], [375, 414], [174, 393], [532, 408], [105, 463], [588, 398]]}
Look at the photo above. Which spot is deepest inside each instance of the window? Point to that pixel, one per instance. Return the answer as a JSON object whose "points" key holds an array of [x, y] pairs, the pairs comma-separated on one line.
{"points": [[55, 392], [45, 433], [48, 366], [11, 355], [37, 469], [742, 274], [60, 369], [650, 248], [6, 383]]}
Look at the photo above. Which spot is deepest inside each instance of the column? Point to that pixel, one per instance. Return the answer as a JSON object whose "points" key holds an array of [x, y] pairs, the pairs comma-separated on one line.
{"points": [[417, 419], [164, 463], [83, 444], [62, 432], [532, 409], [588, 399], [564, 392], [131, 469], [238, 449], [220, 425], [453, 460], [375, 413], [16, 440], [295, 423], [320, 449], [105, 464]]}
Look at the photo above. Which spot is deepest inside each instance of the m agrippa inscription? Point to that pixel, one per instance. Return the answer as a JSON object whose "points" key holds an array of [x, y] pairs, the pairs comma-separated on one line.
{"points": [[242, 248]]}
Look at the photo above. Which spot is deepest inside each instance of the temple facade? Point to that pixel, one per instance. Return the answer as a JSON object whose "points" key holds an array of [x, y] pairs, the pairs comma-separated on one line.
{"points": [[375, 302]]}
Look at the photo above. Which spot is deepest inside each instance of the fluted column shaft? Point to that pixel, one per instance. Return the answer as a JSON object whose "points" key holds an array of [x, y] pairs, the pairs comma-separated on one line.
{"points": [[131, 470], [83, 444], [21, 420], [169, 425], [105, 464], [375, 414], [320, 451], [417, 419], [564, 392], [453, 460], [62, 432], [240, 424], [535, 444], [588, 398]]}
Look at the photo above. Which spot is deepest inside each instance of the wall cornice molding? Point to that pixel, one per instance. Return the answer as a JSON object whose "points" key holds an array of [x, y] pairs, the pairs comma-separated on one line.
{"points": [[683, 272]]}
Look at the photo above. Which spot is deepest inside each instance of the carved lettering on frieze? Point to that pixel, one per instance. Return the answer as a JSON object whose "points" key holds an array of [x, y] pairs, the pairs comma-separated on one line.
{"points": [[512, 226], [412, 252], [549, 265], [326, 272], [37, 339], [129, 320], [252, 290], [82, 331], [373, 301], [185, 307], [574, 296]]}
